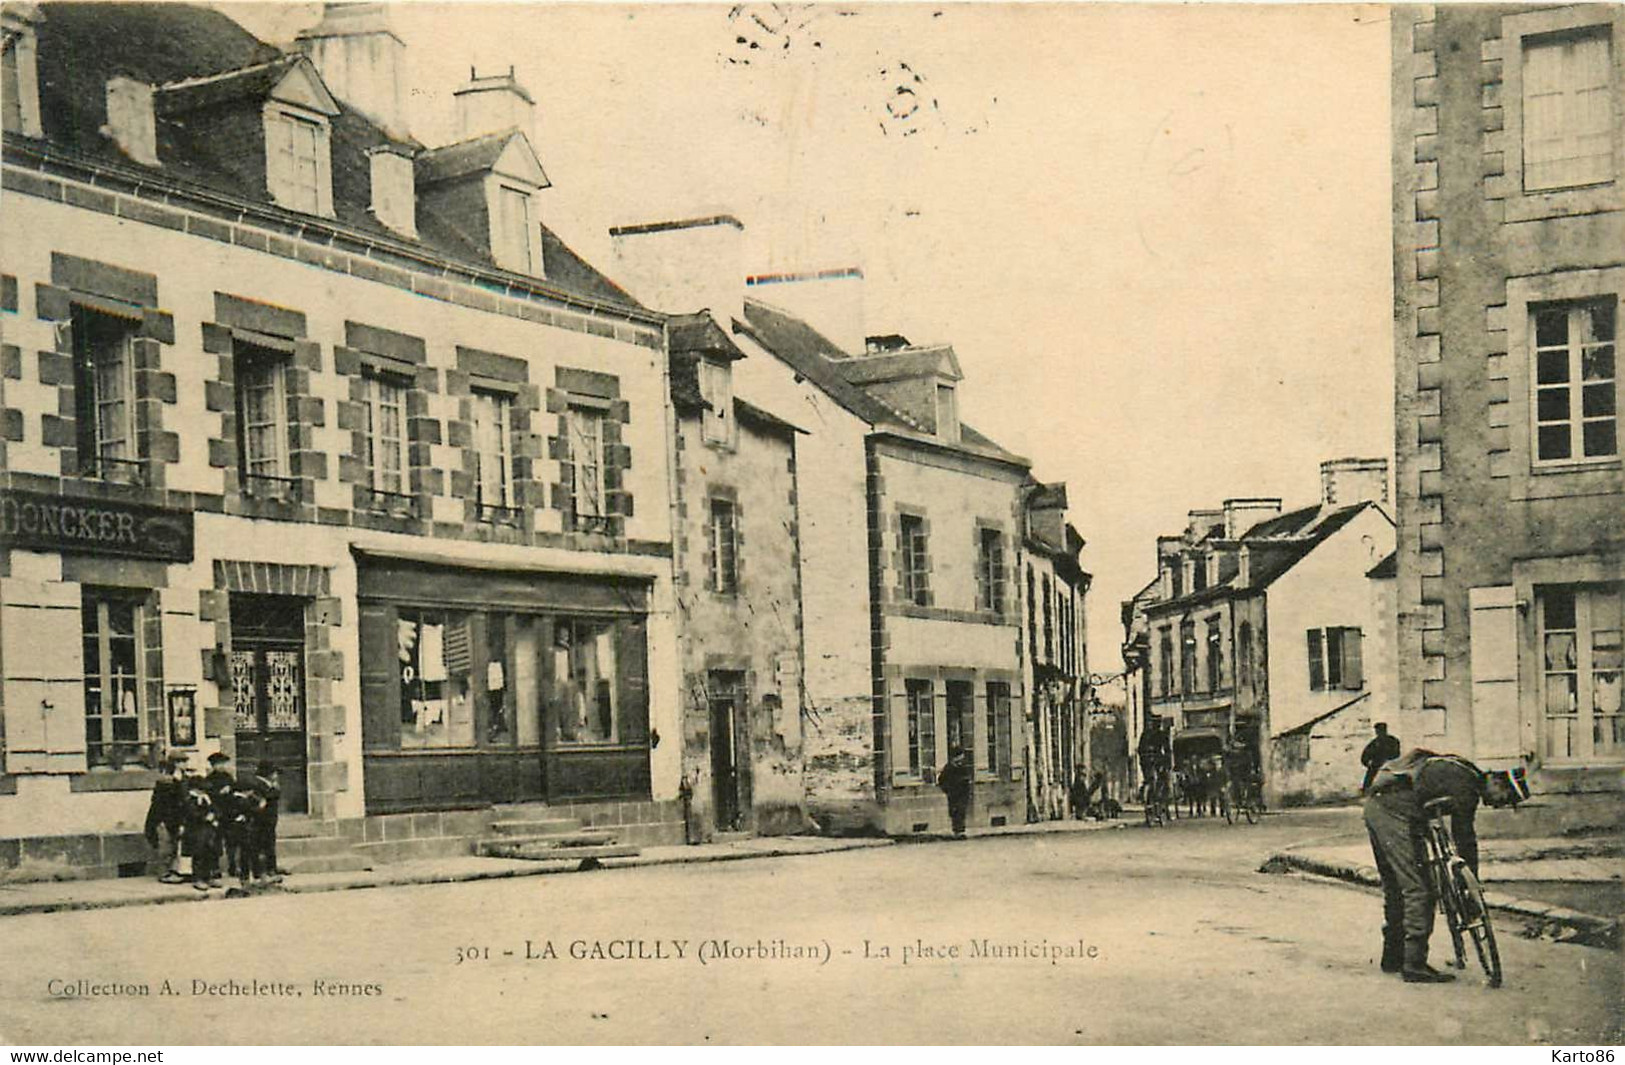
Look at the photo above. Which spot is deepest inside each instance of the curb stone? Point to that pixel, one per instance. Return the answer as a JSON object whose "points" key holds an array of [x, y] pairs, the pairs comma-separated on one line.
{"points": [[1588, 929]]}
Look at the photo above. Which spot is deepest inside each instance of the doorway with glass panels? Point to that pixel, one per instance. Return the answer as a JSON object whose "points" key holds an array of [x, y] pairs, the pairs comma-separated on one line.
{"points": [[1581, 658]]}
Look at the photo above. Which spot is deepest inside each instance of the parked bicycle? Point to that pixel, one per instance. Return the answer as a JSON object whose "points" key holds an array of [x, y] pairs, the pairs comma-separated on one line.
{"points": [[1461, 897], [1158, 811], [1247, 800]]}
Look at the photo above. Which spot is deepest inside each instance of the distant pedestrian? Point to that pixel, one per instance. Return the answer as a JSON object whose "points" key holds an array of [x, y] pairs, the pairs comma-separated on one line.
{"points": [[166, 818], [1382, 748], [955, 782]]}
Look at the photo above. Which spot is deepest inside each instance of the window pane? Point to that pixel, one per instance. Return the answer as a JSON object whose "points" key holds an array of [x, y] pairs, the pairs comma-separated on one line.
{"points": [[435, 662], [1552, 405], [1554, 442], [1598, 401], [1597, 363], [1600, 439], [584, 681], [1560, 693], [1552, 327], [1559, 609], [1559, 650], [1553, 367]]}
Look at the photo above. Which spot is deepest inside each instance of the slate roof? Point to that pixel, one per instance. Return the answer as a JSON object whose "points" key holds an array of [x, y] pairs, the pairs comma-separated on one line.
{"points": [[750, 412], [473, 156], [1274, 547], [82, 45], [809, 353], [246, 83], [1388, 567]]}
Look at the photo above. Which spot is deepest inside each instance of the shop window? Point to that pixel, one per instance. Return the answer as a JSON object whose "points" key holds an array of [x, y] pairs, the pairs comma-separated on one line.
{"points": [[990, 570], [104, 392], [385, 434], [586, 685], [587, 468], [1334, 659], [262, 418], [120, 725], [1581, 659], [916, 563], [1576, 381], [1568, 110], [1215, 656], [724, 547], [436, 662], [493, 455], [716, 388], [922, 730]]}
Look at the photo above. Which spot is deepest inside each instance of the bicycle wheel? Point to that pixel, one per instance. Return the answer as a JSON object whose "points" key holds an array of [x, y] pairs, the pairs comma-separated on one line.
{"points": [[1478, 924], [1450, 906]]}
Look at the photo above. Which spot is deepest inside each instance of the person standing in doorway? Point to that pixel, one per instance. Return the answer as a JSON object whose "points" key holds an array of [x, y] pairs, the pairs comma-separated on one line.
{"points": [[955, 782], [1383, 748]]}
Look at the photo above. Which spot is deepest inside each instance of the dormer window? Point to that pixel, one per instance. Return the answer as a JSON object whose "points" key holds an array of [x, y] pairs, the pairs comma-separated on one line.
{"points": [[19, 74], [716, 388], [947, 413], [297, 168], [511, 229]]}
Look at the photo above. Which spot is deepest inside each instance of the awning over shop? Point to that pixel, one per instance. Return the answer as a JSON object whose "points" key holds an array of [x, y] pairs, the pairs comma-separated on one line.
{"points": [[449, 580]]}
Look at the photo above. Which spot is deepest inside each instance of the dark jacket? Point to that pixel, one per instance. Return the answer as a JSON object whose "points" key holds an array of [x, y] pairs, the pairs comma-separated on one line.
{"points": [[955, 779], [1418, 777], [1380, 750], [167, 808], [267, 803]]}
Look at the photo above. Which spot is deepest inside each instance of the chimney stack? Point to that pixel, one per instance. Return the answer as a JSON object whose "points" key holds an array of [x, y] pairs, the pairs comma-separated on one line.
{"points": [[361, 61], [1344, 482], [684, 266], [492, 103], [831, 301], [1242, 514]]}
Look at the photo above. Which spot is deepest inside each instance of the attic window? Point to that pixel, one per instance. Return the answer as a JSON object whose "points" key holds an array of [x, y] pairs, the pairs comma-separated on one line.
{"points": [[297, 171], [510, 229], [716, 389], [19, 77]]}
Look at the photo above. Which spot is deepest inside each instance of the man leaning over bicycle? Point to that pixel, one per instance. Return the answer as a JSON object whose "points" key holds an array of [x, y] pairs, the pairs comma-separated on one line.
{"points": [[1396, 818]]}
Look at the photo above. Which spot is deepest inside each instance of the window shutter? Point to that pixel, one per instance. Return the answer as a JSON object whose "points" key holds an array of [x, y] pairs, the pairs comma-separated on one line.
{"points": [[1493, 656], [1353, 674], [380, 678], [1334, 658], [632, 679], [1317, 666]]}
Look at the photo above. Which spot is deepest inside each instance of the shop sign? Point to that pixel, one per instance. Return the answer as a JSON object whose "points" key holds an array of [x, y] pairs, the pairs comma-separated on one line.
{"points": [[38, 521], [182, 716]]}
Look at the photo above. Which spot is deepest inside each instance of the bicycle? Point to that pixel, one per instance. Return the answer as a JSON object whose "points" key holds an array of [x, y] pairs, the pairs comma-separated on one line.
{"points": [[1461, 897], [1248, 801], [1157, 812]]}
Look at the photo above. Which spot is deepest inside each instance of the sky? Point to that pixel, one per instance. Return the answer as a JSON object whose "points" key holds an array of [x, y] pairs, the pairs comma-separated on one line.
{"points": [[1157, 236]]}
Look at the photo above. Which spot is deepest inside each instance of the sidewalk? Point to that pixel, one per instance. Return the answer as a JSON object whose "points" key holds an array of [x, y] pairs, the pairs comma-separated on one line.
{"points": [[63, 895], [1515, 874]]}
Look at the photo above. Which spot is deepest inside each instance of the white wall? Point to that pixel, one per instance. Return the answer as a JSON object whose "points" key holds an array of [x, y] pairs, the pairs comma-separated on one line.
{"points": [[1327, 588]]}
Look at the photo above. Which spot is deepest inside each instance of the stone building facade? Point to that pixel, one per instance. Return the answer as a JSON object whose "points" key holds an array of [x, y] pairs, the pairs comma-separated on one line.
{"points": [[313, 457], [1509, 225]]}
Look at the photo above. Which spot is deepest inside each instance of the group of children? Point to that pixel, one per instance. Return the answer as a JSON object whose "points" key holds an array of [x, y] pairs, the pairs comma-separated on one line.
{"points": [[196, 821]]}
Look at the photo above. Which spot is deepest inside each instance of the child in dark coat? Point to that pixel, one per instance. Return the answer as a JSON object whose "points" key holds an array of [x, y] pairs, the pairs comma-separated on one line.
{"points": [[265, 806], [201, 839], [166, 818], [231, 818]]}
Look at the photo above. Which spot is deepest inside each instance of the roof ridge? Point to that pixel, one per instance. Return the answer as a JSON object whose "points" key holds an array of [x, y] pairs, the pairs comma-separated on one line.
{"points": [[204, 79]]}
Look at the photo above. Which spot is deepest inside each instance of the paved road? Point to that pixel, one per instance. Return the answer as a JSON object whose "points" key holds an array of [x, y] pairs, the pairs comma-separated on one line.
{"points": [[1172, 935]]}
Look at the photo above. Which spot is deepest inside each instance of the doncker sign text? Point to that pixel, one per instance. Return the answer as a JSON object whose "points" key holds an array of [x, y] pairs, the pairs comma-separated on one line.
{"points": [[94, 526]]}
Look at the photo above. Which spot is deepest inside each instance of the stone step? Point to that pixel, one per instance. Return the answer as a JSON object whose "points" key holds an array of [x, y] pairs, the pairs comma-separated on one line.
{"points": [[586, 838], [499, 848], [537, 827], [408, 850], [301, 847], [324, 863], [302, 826]]}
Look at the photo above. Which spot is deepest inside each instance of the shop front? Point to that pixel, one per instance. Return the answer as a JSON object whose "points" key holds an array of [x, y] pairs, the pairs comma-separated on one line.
{"points": [[486, 685]]}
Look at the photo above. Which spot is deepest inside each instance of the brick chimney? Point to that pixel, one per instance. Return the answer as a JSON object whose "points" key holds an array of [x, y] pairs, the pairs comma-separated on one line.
{"points": [[492, 103], [1344, 482], [831, 301], [361, 61], [684, 265], [1242, 514]]}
